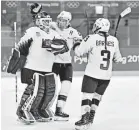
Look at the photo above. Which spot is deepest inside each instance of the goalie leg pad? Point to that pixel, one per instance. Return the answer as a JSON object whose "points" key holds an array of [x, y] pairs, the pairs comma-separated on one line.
{"points": [[49, 95], [26, 95], [37, 78], [40, 92], [25, 116]]}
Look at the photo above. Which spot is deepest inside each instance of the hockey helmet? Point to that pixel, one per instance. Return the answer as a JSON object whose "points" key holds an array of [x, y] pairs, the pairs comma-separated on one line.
{"points": [[43, 20], [102, 25], [63, 19]]}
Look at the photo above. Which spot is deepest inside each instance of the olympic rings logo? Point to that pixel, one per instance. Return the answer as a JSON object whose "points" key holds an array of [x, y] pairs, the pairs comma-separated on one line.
{"points": [[11, 4], [73, 4], [133, 4]]}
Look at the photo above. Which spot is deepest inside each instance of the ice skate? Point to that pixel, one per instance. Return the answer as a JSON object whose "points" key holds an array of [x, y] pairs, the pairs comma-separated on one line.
{"points": [[25, 116], [38, 117], [83, 123], [61, 116], [45, 116], [91, 118]]}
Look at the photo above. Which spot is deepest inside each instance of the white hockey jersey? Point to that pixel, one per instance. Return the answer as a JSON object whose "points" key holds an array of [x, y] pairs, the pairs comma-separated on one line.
{"points": [[71, 35], [99, 60], [38, 58]]}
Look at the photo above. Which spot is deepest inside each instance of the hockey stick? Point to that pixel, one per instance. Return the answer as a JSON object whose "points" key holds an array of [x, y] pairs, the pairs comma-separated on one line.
{"points": [[16, 86], [124, 13], [87, 21]]}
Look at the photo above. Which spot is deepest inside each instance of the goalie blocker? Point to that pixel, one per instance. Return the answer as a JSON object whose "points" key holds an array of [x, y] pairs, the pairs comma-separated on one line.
{"points": [[16, 62]]}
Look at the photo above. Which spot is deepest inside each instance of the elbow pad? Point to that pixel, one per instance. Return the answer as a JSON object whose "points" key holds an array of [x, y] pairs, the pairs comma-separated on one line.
{"points": [[24, 47]]}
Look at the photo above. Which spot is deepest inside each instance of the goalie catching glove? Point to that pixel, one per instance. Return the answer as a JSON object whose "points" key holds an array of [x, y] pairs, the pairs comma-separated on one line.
{"points": [[56, 46], [35, 8]]}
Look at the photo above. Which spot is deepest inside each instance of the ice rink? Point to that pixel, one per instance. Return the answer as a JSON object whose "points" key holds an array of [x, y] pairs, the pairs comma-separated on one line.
{"points": [[119, 109]]}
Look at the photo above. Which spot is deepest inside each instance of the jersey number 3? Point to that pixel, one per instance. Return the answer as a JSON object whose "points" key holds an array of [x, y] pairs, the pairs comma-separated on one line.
{"points": [[107, 59]]}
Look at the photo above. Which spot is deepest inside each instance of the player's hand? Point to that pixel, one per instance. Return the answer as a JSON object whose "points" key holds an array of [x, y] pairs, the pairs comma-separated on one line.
{"points": [[35, 8]]}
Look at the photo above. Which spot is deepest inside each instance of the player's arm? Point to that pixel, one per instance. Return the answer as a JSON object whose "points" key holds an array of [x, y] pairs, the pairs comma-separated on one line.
{"points": [[77, 38], [84, 47], [53, 25], [25, 42], [117, 55], [18, 59]]}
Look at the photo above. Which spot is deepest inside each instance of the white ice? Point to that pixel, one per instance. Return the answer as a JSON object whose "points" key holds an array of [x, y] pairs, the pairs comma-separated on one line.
{"points": [[119, 109]]}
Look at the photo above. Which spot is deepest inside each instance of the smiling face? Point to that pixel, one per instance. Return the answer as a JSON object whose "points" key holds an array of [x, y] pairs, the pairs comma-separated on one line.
{"points": [[62, 23]]}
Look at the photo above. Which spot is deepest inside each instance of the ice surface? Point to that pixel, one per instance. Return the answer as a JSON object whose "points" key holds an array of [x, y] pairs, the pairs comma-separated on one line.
{"points": [[119, 109]]}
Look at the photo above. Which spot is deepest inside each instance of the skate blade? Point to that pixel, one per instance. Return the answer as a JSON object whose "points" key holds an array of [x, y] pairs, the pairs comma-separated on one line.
{"points": [[27, 122], [45, 120], [89, 125], [83, 127], [56, 118]]}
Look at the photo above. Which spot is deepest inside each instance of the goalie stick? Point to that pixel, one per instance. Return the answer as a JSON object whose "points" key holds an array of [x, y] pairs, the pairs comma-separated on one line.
{"points": [[16, 86], [124, 13]]}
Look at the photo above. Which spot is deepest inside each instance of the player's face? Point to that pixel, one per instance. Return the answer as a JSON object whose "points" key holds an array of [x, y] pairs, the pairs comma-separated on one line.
{"points": [[46, 22], [62, 23]]}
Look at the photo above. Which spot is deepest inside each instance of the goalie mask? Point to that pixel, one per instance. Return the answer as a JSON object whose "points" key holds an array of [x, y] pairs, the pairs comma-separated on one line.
{"points": [[63, 19], [43, 20], [102, 25]]}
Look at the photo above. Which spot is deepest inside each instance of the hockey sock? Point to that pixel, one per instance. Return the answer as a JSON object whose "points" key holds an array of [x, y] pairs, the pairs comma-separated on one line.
{"points": [[62, 97], [95, 101], [86, 103]]}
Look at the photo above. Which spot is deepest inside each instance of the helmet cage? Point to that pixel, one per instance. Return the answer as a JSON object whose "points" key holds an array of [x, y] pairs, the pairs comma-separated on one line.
{"points": [[43, 22]]}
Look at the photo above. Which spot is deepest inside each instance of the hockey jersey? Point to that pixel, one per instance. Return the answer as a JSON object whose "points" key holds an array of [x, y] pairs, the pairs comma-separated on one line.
{"points": [[38, 58], [99, 59], [72, 36]]}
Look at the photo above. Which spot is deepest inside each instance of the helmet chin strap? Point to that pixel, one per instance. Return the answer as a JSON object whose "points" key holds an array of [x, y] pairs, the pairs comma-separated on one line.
{"points": [[97, 30]]}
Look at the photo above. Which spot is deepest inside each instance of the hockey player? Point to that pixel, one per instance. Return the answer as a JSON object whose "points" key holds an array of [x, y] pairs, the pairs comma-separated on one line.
{"points": [[35, 55], [63, 65], [102, 49]]}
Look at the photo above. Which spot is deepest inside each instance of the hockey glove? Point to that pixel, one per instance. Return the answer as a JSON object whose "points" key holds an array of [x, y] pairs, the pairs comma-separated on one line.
{"points": [[35, 8], [56, 46], [59, 46], [16, 62]]}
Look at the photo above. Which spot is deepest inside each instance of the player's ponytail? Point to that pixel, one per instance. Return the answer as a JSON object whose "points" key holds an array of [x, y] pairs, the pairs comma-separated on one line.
{"points": [[105, 36]]}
